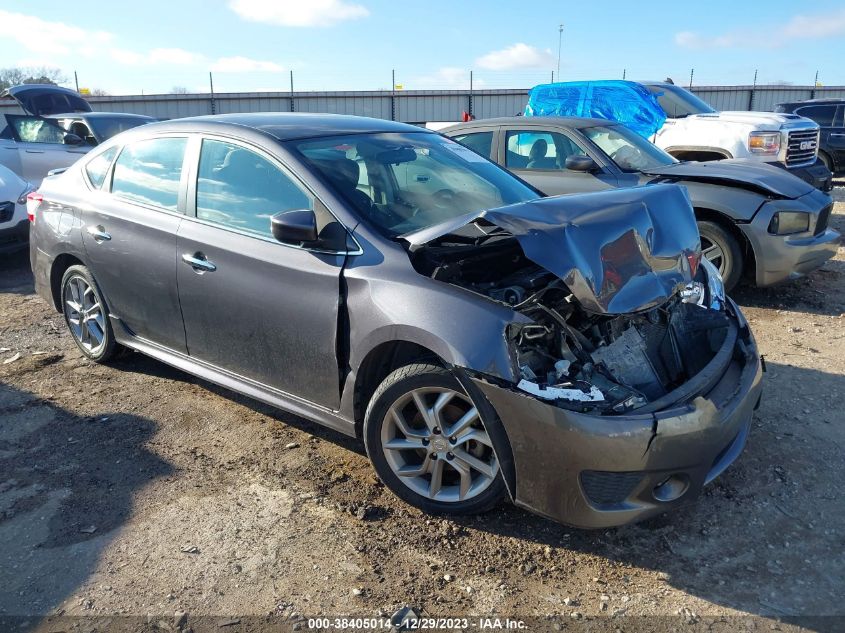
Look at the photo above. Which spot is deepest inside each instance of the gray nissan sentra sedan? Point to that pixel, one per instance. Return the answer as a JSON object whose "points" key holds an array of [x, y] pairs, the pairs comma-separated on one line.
{"points": [[574, 353]]}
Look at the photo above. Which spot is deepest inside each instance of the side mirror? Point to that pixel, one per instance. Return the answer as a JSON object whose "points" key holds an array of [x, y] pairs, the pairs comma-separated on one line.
{"points": [[72, 139], [580, 163], [294, 227]]}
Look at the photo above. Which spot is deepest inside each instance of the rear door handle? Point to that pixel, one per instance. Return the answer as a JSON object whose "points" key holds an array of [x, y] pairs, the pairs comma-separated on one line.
{"points": [[98, 233], [198, 262]]}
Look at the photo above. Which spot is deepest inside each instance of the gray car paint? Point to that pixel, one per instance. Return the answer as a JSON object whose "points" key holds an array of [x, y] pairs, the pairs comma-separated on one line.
{"points": [[381, 300], [738, 190]]}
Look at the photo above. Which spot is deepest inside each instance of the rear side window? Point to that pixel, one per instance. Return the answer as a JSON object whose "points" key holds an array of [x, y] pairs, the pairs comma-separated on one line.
{"points": [[479, 142], [98, 167], [821, 114], [242, 190], [149, 171]]}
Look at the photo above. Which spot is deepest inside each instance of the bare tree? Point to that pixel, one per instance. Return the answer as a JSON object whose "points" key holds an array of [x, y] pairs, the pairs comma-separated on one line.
{"points": [[179, 90], [99, 92], [37, 75]]}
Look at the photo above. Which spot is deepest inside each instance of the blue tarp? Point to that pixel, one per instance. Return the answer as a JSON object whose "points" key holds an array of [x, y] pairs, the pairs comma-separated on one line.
{"points": [[624, 101]]}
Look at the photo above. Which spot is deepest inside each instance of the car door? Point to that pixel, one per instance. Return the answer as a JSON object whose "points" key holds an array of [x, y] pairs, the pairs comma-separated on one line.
{"points": [[9, 151], [41, 146], [837, 139], [538, 155], [129, 227], [258, 308]]}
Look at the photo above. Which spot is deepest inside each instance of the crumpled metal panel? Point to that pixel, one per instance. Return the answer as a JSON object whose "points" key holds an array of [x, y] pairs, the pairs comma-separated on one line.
{"points": [[624, 101], [617, 251]]}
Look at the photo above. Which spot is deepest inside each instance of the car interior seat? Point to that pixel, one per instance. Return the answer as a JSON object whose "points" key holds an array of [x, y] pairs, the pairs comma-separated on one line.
{"points": [[537, 158]]}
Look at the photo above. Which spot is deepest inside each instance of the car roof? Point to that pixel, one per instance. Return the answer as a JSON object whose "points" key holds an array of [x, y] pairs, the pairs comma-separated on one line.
{"points": [[286, 126], [833, 100], [566, 121], [100, 115]]}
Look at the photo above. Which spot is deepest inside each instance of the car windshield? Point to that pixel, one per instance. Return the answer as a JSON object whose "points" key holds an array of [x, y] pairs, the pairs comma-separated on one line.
{"points": [[404, 182], [677, 102], [629, 150], [106, 127]]}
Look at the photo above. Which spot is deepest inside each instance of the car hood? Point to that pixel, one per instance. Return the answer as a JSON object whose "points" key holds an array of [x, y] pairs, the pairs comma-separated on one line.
{"points": [[618, 251], [47, 99], [751, 174], [773, 119]]}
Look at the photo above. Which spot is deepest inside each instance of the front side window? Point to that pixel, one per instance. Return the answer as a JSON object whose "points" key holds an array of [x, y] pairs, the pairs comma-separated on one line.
{"points": [[149, 172], [241, 189], [821, 114], [33, 129], [98, 167], [413, 179], [481, 142], [539, 150], [678, 103], [629, 150]]}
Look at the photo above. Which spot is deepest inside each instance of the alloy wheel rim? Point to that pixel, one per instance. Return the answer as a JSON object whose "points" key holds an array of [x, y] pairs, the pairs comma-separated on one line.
{"points": [[84, 314], [435, 443], [714, 254]]}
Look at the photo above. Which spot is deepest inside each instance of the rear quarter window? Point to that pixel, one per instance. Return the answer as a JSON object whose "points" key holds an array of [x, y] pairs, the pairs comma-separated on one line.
{"points": [[97, 168]]}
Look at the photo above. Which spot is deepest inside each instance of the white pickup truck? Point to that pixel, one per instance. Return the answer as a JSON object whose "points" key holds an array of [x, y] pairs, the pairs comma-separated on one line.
{"points": [[695, 131]]}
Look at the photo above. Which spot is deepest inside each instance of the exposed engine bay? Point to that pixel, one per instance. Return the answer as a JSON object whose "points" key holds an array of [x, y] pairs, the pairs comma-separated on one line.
{"points": [[579, 360]]}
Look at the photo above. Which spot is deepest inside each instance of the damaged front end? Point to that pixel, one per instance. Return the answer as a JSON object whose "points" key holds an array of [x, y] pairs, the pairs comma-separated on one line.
{"points": [[633, 377], [620, 309]]}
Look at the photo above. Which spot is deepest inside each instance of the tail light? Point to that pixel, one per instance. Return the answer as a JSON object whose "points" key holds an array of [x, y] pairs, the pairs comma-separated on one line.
{"points": [[33, 201]]}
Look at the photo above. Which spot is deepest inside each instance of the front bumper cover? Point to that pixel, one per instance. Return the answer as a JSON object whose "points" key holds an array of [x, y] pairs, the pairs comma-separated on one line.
{"points": [[783, 257], [597, 472], [816, 175]]}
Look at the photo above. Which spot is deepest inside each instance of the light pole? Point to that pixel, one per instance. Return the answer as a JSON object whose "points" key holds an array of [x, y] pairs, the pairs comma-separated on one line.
{"points": [[559, 46]]}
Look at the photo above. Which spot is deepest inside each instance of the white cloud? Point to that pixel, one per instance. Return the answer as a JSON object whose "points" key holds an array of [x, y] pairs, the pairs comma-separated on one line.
{"points": [[515, 57], [49, 38], [800, 27], [298, 12], [245, 65]]}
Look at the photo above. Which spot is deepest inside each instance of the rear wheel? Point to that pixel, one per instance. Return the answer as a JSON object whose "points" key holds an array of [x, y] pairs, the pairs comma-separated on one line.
{"points": [[86, 314], [722, 250], [428, 444]]}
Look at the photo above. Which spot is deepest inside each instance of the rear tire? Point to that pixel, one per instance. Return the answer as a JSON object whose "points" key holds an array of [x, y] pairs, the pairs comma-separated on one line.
{"points": [[86, 315], [428, 444], [723, 251]]}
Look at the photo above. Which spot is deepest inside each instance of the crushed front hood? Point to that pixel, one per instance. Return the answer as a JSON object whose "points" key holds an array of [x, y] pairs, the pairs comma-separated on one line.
{"points": [[766, 178], [617, 251], [47, 99]]}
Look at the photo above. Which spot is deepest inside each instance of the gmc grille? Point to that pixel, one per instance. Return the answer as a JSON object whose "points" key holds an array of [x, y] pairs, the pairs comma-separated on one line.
{"points": [[795, 155]]}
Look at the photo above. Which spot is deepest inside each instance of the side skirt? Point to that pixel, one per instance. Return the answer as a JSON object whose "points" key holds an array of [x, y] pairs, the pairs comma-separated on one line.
{"points": [[229, 380]]}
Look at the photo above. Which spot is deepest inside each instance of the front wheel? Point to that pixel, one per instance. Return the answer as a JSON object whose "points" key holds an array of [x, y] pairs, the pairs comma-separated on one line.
{"points": [[723, 251], [86, 315], [428, 444]]}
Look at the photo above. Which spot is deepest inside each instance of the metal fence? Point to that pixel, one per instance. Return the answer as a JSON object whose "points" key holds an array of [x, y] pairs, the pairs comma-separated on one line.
{"points": [[413, 106]]}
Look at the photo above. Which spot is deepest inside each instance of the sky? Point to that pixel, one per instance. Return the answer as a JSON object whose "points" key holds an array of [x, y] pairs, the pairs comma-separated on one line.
{"points": [[155, 46]]}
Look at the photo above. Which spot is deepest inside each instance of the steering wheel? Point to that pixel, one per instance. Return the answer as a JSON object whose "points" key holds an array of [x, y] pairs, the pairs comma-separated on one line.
{"points": [[444, 197]]}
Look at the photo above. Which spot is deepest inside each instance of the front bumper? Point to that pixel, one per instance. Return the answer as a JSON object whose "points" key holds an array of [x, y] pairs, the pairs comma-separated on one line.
{"points": [[783, 257], [15, 237], [597, 472], [816, 175]]}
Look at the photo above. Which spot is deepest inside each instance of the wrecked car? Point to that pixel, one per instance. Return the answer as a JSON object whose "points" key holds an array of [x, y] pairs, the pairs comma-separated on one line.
{"points": [[755, 221], [574, 354]]}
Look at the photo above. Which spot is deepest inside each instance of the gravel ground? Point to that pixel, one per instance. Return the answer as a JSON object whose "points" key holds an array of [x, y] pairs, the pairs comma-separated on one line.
{"points": [[135, 489]]}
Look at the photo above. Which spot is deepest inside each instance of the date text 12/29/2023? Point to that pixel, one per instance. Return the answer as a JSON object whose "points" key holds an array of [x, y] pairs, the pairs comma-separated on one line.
{"points": [[416, 624]]}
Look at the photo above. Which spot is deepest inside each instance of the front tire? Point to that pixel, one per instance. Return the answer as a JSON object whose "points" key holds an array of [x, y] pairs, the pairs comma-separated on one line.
{"points": [[723, 251], [428, 444], [86, 315]]}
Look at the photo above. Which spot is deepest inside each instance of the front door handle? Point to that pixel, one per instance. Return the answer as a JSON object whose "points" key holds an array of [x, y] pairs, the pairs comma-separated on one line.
{"points": [[198, 262], [98, 233]]}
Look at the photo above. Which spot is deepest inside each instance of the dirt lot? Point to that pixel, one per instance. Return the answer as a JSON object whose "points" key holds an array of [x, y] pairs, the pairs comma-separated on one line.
{"points": [[135, 489]]}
